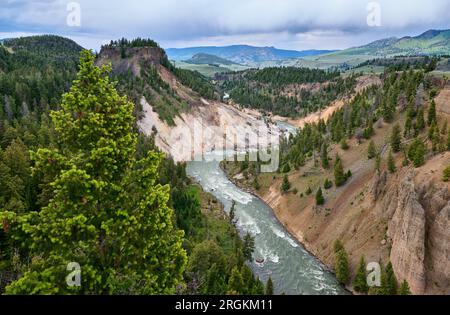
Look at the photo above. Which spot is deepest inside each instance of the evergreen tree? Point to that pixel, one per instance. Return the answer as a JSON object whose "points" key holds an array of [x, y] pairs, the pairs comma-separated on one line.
{"points": [[342, 266], [432, 113], [324, 156], [371, 151], [328, 184], [339, 175], [369, 131], [286, 168], [320, 200], [256, 184], [106, 211], [258, 288], [236, 283], [404, 289], [338, 246], [232, 215], [408, 127], [269, 287], [378, 163], [286, 184], [389, 283], [391, 163], [446, 177], [405, 159], [208, 258], [432, 131], [388, 111], [444, 130], [416, 153], [215, 281], [396, 139], [360, 283], [249, 247], [420, 121], [248, 280], [344, 145], [349, 174], [448, 142]]}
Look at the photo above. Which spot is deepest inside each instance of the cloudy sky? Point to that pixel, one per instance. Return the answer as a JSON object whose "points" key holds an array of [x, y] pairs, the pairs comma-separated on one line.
{"points": [[290, 24]]}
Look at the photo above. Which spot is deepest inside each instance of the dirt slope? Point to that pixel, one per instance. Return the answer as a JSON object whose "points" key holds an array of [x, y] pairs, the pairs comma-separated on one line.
{"points": [[403, 217]]}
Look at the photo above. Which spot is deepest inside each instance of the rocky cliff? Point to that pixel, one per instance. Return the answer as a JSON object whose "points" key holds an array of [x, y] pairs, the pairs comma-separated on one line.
{"points": [[131, 58], [416, 206], [402, 217], [186, 125]]}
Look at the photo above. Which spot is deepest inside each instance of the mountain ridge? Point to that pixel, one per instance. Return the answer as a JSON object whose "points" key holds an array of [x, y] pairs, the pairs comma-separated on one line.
{"points": [[431, 42], [202, 58], [242, 54]]}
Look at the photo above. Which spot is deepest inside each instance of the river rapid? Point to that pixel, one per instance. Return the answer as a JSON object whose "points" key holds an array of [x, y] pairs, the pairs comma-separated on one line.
{"points": [[294, 271]]}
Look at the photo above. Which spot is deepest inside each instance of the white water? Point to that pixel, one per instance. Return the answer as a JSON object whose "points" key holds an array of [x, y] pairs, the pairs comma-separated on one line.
{"points": [[293, 270]]}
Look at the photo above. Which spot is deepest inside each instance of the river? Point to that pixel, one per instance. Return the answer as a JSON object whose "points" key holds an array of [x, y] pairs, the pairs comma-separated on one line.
{"points": [[294, 271]]}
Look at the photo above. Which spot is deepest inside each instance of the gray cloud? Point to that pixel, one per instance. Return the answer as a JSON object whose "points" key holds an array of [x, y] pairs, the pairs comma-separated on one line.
{"points": [[288, 23]]}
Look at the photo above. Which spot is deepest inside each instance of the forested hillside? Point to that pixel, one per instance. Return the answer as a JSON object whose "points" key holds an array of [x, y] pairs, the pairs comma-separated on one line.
{"points": [[95, 192], [289, 92], [34, 73], [142, 69], [364, 180]]}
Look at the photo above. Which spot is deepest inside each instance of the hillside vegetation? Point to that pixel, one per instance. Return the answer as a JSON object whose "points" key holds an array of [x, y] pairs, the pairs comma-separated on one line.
{"points": [[34, 73], [242, 54], [95, 192], [365, 179], [209, 59], [430, 43], [145, 71], [289, 92]]}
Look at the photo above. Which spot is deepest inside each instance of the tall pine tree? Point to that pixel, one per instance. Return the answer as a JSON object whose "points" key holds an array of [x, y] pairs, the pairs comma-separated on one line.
{"points": [[432, 113], [360, 283], [339, 175], [396, 138], [106, 212]]}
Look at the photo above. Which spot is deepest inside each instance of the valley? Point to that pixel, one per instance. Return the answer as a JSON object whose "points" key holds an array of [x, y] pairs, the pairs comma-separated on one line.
{"points": [[362, 176], [377, 214]]}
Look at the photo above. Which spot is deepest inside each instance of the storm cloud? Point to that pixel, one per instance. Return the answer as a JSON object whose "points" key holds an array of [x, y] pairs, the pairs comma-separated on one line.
{"points": [[296, 24]]}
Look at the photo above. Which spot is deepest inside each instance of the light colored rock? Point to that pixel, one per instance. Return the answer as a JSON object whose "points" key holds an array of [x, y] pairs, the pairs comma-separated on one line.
{"points": [[208, 129], [420, 233], [379, 184], [439, 250], [407, 231]]}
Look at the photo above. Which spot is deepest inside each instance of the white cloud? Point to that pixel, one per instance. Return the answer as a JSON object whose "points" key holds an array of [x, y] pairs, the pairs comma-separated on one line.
{"points": [[324, 23]]}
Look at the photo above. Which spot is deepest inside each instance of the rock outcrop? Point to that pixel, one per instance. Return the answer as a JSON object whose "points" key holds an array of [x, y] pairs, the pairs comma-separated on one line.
{"points": [[439, 250], [135, 58], [418, 216], [407, 230], [379, 184]]}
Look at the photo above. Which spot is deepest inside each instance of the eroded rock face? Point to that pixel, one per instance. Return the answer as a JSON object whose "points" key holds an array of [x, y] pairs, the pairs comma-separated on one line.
{"points": [[378, 185], [439, 253], [407, 230], [135, 58], [418, 216]]}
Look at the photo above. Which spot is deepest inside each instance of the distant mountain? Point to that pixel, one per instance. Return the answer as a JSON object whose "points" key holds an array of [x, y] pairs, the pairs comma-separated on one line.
{"points": [[50, 46], [432, 42], [207, 59], [242, 54], [39, 52]]}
